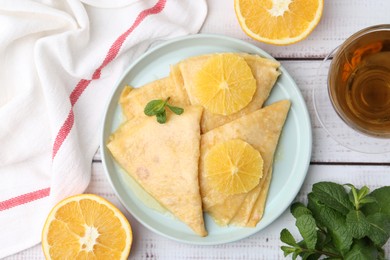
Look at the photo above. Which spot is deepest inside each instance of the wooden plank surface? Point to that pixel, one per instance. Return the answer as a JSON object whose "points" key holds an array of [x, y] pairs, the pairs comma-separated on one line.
{"points": [[263, 245], [330, 161], [340, 19]]}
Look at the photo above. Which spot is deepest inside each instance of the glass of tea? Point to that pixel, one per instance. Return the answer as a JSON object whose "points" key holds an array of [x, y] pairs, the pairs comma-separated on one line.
{"points": [[352, 100]]}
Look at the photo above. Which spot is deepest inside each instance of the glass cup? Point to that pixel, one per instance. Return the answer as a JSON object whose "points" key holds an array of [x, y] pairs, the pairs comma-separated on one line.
{"points": [[352, 97]]}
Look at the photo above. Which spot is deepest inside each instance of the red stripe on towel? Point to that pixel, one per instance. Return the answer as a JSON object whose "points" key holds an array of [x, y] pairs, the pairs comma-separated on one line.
{"points": [[23, 199], [74, 96], [83, 84]]}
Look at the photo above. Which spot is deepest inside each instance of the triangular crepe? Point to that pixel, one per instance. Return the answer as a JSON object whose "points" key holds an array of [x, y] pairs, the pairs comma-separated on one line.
{"points": [[265, 71], [261, 129], [163, 159], [252, 209], [134, 100]]}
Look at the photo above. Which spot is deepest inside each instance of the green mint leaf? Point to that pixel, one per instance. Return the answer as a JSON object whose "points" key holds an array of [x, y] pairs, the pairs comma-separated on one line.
{"points": [[288, 250], [162, 117], [358, 197], [154, 107], [381, 253], [157, 108], [298, 209], [308, 229], [333, 221], [362, 250], [287, 238], [311, 255], [295, 255], [357, 224], [379, 231], [333, 195], [176, 110], [367, 200], [382, 197], [331, 250], [323, 239], [363, 192]]}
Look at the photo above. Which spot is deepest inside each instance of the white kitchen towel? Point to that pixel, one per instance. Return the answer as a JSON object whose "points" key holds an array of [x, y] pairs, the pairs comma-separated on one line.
{"points": [[59, 62]]}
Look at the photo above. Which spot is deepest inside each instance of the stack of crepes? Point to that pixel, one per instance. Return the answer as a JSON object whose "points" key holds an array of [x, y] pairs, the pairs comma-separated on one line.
{"points": [[167, 160]]}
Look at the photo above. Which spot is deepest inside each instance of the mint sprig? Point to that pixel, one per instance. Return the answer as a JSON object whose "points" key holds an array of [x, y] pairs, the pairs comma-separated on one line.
{"points": [[158, 108], [340, 222]]}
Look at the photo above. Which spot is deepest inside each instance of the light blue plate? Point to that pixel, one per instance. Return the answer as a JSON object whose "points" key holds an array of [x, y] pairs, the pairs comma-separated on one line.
{"points": [[291, 160]]}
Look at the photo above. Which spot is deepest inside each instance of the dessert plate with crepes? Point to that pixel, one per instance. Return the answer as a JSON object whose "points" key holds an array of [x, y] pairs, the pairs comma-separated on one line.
{"points": [[226, 167]]}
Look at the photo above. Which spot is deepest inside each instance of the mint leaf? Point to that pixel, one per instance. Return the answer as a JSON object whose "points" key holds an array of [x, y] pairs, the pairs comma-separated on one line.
{"points": [[357, 224], [287, 238], [157, 108], [161, 117], [363, 192], [298, 209], [362, 250], [311, 255], [359, 197], [308, 229], [381, 254], [382, 197], [154, 107], [176, 110], [337, 224], [288, 250], [333, 195], [333, 220], [323, 239], [379, 231], [331, 250], [367, 200]]}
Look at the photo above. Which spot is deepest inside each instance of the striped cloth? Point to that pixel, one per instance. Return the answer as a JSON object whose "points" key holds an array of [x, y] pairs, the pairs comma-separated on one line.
{"points": [[59, 63]]}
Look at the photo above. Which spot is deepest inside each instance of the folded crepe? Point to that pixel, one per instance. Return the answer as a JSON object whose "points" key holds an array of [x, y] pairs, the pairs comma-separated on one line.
{"points": [[261, 129], [252, 210], [265, 72], [163, 159], [134, 100]]}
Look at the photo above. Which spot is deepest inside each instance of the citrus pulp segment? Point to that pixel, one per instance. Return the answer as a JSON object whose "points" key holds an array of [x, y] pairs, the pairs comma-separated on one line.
{"points": [[225, 84], [86, 226], [279, 22], [233, 167]]}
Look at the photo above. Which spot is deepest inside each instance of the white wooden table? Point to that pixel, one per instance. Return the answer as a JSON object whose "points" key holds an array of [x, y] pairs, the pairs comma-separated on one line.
{"points": [[330, 161]]}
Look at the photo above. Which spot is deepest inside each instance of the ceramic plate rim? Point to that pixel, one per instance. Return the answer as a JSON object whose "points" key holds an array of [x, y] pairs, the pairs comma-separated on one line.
{"points": [[306, 125]]}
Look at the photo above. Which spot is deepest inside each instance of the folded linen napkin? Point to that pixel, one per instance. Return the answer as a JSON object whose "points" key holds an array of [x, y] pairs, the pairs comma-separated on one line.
{"points": [[59, 62]]}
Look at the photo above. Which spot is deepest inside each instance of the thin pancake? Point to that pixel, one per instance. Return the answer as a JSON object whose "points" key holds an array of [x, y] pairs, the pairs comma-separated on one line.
{"points": [[163, 159], [134, 100], [258, 209], [252, 209], [261, 129], [265, 71]]}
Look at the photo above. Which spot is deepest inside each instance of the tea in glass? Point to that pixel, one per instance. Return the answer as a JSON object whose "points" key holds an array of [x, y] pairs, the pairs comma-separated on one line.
{"points": [[359, 81]]}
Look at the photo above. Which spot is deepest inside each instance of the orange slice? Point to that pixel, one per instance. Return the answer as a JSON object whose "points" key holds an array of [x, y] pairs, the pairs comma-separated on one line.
{"points": [[225, 84], [86, 226], [233, 167], [279, 22]]}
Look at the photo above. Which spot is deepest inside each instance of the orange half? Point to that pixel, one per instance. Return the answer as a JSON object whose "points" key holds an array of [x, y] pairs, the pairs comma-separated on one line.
{"points": [[278, 22], [86, 226]]}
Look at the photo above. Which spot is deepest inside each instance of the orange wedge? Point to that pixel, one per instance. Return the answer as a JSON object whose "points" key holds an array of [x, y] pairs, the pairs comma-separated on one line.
{"points": [[279, 22], [86, 226]]}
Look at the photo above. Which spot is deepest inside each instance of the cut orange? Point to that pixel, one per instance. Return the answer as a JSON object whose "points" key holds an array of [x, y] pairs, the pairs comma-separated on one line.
{"points": [[225, 84], [233, 167], [86, 226], [279, 22]]}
